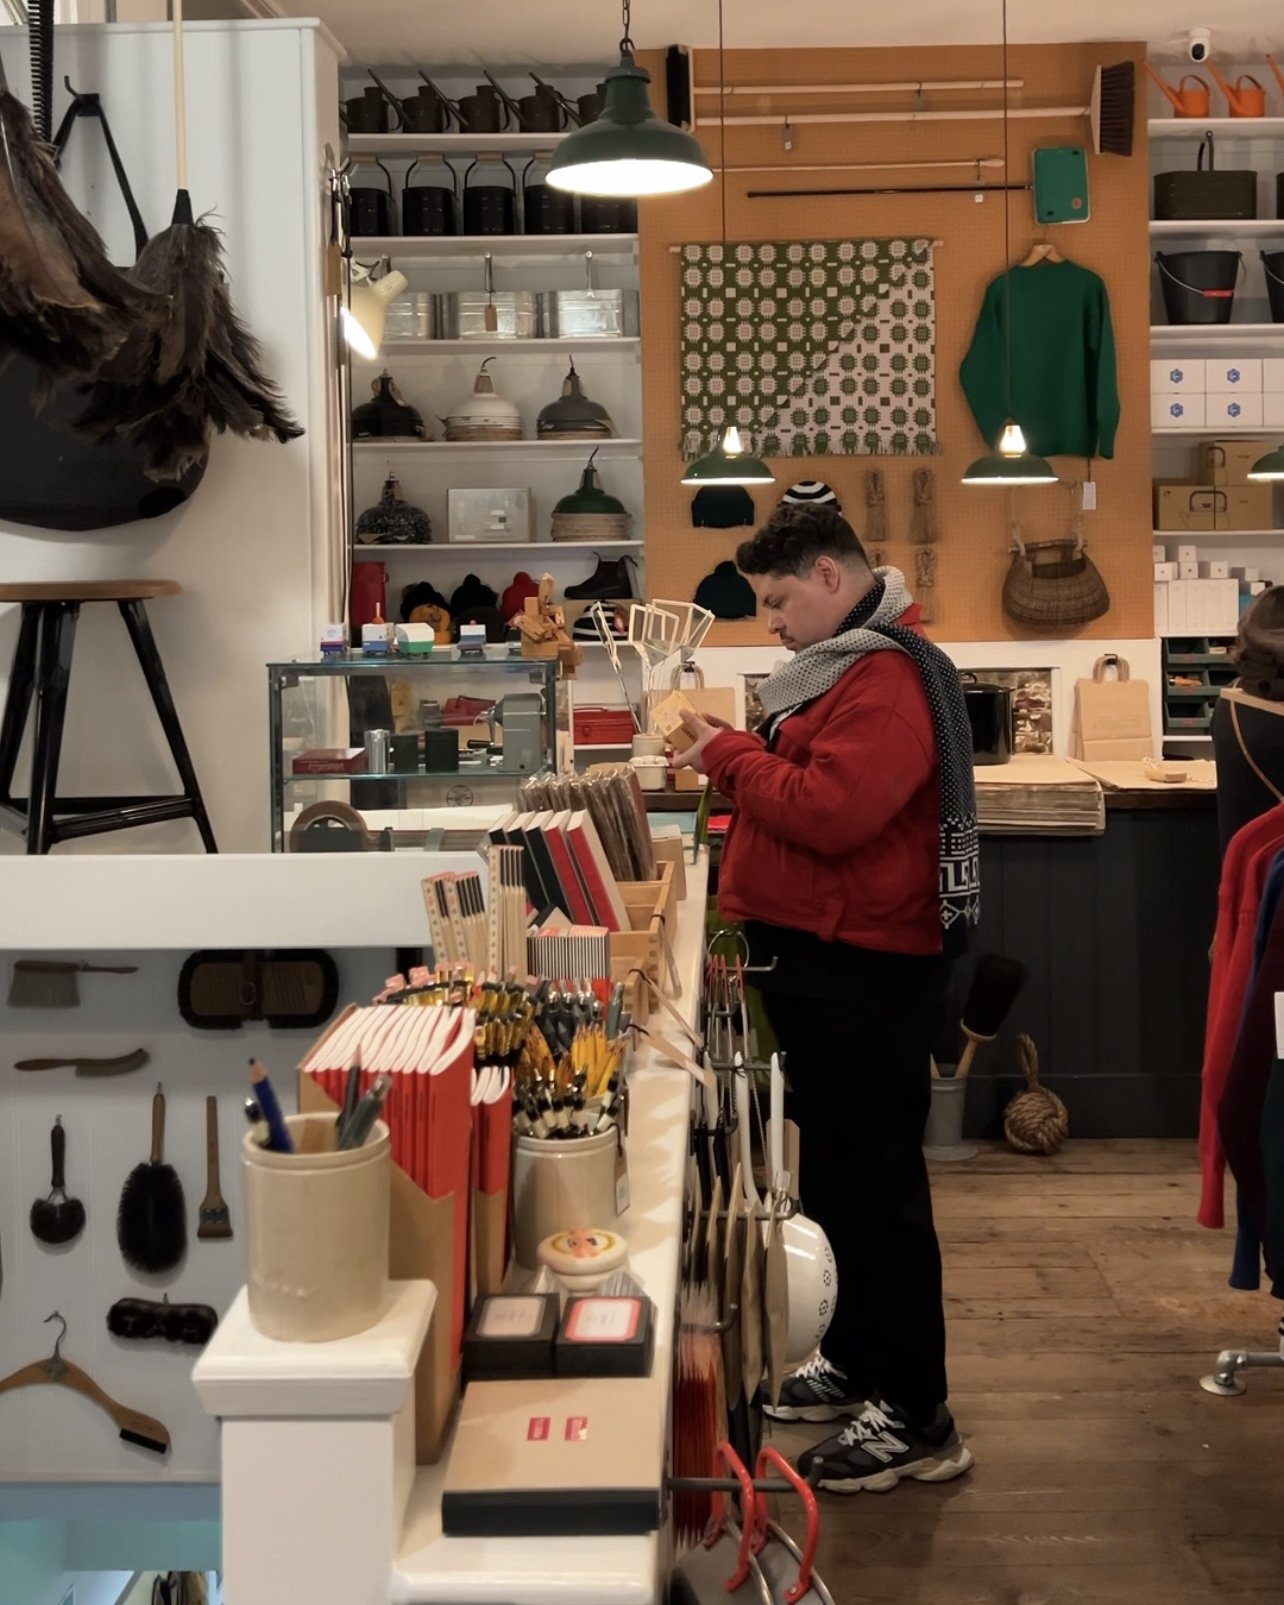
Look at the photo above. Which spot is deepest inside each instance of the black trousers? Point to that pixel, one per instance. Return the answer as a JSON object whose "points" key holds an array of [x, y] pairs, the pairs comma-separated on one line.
{"points": [[859, 1071]]}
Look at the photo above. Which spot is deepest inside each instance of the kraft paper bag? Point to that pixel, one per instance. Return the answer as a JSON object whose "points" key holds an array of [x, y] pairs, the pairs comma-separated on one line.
{"points": [[1111, 715]]}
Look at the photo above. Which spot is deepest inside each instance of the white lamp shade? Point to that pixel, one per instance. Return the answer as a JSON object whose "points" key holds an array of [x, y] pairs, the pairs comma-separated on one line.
{"points": [[367, 310]]}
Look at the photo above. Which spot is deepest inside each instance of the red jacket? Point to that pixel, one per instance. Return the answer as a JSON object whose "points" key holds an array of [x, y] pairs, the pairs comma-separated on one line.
{"points": [[1244, 869], [837, 831]]}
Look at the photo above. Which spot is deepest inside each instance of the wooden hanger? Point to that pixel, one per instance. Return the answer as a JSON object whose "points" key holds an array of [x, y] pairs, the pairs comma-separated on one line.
{"points": [[145, 1431], [1044, 251]]}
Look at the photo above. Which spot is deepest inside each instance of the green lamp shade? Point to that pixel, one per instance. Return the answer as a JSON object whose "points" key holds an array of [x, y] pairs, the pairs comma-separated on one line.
{"points": [[729, 464], [628, 150], [1027, 469], [590, 498], [1269, 468]]}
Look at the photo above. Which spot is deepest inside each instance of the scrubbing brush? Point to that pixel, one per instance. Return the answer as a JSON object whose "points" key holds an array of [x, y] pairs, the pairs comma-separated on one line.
{"points": [[51, 983], [994, 989], [1114, 95], [151, 1223]]}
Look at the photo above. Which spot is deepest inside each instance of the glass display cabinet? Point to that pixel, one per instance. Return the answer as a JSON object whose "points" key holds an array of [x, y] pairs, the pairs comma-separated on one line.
{"points": [[362, 749]]}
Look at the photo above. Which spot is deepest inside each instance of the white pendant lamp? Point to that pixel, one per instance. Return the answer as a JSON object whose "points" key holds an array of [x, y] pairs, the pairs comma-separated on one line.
{"points": [[365, 312], [728, 463], [1013, 463], [628, 150]]}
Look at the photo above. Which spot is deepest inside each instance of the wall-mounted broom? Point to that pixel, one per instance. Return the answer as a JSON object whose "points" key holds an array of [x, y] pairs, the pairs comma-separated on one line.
{"points": [[198, 369]]}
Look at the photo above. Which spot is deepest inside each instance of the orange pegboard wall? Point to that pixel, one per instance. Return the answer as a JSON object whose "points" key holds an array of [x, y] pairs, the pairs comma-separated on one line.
{"points": [[972, 556]]}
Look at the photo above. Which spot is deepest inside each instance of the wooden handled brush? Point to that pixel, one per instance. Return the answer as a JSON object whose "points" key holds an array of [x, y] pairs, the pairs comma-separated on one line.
{"points": [[151, 1223], [215, 1217], [994, 988]]}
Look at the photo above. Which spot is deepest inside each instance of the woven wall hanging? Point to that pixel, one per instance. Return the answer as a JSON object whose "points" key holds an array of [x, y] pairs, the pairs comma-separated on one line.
{"points": [[814, 347]]}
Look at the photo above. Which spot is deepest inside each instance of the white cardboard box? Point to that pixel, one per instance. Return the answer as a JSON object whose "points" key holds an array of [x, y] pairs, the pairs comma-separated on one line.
{"points": [[1159, 554], [1215, 569], [1179, 376], [1233, 376], [1188, 571], [1187, 554], [1165, 572], [1176, 412], [1161, 609], [1272, 373], [1273, 408], [1239, 411]]}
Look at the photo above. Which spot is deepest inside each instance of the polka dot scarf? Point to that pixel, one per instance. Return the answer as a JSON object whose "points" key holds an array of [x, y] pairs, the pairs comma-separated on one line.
{"points": [[872, 626]]}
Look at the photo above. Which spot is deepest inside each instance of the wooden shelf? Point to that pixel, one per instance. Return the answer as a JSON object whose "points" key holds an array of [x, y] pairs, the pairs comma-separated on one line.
{"points": [[1231, 228], [445, 449], [449, 144], [1184, 334], [475, 549], [1223, 127], [420, 247], [1192, 537], [1216, 431], [565, 344]]}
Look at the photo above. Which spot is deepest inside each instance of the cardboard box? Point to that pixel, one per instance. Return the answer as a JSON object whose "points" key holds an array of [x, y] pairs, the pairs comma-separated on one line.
{"points": [[1187, 554], [1177, 412], [1246, 507], [487, 517], [1180, 507], [1161, 609], [1165, 572], [1225, 376], [1215, 607], [1227, 462], [1215, 569], [1273, 409], [1179, 376], [1232, 411], [1159, 554], [1188, 571]]}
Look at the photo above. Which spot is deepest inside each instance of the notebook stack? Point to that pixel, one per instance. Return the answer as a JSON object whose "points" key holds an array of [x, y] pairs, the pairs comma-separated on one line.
{"points": [[565, 867], [1040, 796], [612, 797]]}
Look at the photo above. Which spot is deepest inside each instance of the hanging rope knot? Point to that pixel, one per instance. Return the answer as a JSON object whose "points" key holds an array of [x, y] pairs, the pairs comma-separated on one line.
{"points": [[1036, 1121]]}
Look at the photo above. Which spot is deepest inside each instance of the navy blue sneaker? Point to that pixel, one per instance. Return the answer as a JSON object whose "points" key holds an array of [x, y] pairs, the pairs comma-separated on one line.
{"points": [[879, 1447]]}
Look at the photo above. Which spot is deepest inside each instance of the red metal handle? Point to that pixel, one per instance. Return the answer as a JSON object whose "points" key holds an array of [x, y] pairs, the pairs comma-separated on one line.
{"points": [[806, 1493], [725, 1459]]}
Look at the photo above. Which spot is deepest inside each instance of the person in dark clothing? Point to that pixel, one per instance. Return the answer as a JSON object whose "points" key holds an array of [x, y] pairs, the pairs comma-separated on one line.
{"points": [[851, 860], [1248, 721]]}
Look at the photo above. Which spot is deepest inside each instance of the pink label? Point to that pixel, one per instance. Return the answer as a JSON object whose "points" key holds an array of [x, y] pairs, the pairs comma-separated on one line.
{"points": [[539, 1429], [576, 1429]]}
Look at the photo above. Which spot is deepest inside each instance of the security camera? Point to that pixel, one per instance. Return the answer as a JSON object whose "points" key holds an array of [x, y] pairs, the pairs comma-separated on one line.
{"points": [[1199, 44]]}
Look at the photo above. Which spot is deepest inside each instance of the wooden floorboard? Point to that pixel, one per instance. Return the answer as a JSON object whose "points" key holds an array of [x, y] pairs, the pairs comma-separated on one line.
{"points": [[1084, 1304]]}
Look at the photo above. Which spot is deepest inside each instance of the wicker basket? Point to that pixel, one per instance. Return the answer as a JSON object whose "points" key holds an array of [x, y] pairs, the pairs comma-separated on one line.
{"points": [[457, 432], [591, 526], [1051, 584]]}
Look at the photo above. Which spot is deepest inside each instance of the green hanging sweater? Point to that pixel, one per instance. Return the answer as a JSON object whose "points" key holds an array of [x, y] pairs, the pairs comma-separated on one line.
{"points": [[1064, 393]]}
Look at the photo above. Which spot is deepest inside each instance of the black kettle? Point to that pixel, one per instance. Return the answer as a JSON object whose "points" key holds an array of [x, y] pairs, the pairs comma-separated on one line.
{"points": [[989, 712]]}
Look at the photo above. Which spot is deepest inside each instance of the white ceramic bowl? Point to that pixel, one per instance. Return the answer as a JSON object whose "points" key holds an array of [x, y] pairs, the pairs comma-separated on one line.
{"points": [[813, 1286]]}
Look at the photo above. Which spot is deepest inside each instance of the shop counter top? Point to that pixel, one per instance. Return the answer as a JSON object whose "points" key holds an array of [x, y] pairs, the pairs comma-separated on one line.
{"points": [[601, 1570]]}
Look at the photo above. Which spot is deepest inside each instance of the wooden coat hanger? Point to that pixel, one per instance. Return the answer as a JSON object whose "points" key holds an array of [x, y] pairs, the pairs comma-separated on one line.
{"points": [[145, 1431], [1044, 251]]}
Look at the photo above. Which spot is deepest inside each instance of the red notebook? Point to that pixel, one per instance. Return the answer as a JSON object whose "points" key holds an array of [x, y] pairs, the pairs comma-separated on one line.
{"points": [[604, 894]]}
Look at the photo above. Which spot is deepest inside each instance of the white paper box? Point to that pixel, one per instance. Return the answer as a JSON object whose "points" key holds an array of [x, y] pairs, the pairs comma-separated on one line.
{"points": [[1233, 376], [1218, 606], [1187, 554], [1272, 373], [1165, 572], [1188, 571], [1273, 409], [1177, 590], [1177, 412], [1178, 376], [1158, 554], [479, 517], [1161, 609], [1241, 411], [1215, 569]]}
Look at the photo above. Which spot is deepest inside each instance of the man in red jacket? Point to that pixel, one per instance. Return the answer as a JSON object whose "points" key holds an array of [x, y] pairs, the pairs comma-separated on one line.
{"points": [[851, 860]]}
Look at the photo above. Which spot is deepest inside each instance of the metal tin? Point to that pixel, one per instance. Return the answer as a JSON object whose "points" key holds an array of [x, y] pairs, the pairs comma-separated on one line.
{"points": [[412, 317], [461, 315], [376, 745], [589, 314]]}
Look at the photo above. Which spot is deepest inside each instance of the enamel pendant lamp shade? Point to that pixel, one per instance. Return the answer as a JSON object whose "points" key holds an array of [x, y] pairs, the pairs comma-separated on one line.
{"points": [[367, 309], [1013, 463], [628, 150], [729, 464], [1268, 469]]}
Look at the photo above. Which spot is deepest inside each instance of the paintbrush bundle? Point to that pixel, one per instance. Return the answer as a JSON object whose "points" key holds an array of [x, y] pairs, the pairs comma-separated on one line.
{"points": [[456, 907]]}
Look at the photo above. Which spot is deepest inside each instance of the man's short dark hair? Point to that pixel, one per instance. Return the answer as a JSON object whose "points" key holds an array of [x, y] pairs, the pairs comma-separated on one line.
{"points": [[794, 537]]}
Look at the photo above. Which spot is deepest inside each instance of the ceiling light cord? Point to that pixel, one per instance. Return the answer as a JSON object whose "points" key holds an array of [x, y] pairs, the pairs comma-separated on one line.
{"points": [[1007, 229], [722, 131]]}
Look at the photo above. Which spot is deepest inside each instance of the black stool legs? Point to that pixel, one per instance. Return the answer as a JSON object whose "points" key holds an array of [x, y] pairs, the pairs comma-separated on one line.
{"points": [[41, 671]]}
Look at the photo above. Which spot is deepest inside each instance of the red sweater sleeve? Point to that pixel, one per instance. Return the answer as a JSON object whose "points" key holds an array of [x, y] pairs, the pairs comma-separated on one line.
{"points": [[862, 769]]}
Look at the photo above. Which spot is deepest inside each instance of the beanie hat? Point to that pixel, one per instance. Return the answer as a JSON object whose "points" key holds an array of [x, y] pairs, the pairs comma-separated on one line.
{"points": [[472, 593], [518, 594], [420, 594], [811, 493], [727, 593], [721, 507]]}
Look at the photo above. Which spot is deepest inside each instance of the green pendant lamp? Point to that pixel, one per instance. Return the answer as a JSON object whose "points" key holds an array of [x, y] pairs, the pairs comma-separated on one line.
{"points": [[628, 150], [1013, 463], [728, 463], [1266, 470]]}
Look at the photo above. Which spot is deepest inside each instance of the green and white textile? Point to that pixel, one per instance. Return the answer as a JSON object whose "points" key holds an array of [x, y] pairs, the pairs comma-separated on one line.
{"points": [[814, 347]]}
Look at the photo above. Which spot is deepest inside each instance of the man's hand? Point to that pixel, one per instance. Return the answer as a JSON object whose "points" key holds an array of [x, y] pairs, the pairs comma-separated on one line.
{"points": [[702, 731]]}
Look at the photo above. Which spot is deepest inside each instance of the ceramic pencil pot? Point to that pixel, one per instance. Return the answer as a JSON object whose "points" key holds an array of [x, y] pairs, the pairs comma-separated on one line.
{"points": [[943, 1134], [317, 1233], [559, 1187]]}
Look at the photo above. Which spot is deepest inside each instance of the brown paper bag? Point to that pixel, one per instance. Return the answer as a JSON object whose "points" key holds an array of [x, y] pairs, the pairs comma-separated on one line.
{"points": [[1111, 716]]}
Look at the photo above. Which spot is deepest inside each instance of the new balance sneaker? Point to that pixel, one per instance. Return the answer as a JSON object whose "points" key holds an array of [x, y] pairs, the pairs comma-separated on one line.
{"points": [[816, 1391], [879, 1447]]}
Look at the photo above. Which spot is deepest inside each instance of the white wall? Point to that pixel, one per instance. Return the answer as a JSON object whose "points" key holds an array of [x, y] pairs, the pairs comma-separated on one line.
{"points": [[250, 547]]}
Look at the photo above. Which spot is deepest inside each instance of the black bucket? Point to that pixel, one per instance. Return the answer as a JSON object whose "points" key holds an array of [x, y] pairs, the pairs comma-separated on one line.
{"points": [[1273, 267], [1199, 286]]}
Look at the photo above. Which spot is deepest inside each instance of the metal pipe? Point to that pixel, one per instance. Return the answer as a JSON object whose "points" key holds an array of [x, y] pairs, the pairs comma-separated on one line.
{"points": [[893, 189], [977, 114], [863, 167], [918, 86]]}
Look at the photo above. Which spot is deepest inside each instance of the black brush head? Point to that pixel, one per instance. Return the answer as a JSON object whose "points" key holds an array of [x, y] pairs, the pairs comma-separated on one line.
{"points": [[995, 985], [156, 1447], [151, 1223], [56, 1223]]}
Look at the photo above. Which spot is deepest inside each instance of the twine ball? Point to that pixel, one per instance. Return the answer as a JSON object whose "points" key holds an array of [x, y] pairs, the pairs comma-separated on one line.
{"points": [[1036, 1121]]}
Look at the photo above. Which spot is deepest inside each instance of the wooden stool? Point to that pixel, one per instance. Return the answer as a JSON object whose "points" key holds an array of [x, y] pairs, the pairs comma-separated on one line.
{"points": [[42, 666]]}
